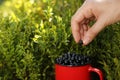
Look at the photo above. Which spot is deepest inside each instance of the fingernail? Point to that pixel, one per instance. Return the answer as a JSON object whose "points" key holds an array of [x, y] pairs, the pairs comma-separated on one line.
{"points": [[86, 41]]}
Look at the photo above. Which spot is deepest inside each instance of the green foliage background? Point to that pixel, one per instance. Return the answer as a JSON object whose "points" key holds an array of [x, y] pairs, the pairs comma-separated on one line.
{"points": [[35, 32]]}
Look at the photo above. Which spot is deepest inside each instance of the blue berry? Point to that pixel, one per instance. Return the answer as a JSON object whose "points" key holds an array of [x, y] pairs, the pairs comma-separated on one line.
{"points": [[81, 42], [72, 59]]}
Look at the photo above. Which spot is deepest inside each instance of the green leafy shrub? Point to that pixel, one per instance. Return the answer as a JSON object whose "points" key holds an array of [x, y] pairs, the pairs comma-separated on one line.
{"points": [[34, 32]]}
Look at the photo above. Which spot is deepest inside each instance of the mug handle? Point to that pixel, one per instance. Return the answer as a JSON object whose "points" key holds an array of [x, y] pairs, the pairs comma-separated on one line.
{"points": [[99, 72]]}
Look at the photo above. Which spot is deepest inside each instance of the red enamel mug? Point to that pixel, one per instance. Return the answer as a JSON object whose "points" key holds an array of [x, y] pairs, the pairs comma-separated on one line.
{"points": [[63, 72]]}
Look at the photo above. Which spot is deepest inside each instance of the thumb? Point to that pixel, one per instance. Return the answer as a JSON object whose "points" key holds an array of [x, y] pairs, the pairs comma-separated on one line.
{"points": [[93, 31]]}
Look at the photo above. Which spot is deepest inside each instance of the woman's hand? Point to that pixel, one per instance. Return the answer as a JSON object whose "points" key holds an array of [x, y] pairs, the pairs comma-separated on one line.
{"points": [[104, 12]]}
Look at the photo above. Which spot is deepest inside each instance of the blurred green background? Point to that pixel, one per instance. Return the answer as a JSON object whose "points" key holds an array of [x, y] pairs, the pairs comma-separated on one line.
{"points": [[33, 33]]}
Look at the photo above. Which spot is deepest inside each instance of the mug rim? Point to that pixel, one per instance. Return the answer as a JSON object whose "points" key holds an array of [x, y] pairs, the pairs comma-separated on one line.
{"points": [[72, 65]]}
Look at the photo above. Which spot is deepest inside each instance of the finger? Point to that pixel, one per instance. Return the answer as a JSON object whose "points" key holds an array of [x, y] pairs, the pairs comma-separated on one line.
{"points": [[85, 28], [79, 18], [75, 25], [81, 32], [93, 31]]}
